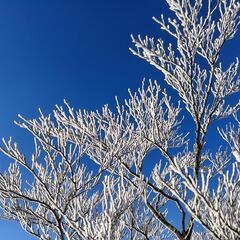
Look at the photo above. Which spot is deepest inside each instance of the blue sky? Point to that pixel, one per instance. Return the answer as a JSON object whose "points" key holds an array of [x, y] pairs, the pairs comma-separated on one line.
{"points": [[75, 50]]}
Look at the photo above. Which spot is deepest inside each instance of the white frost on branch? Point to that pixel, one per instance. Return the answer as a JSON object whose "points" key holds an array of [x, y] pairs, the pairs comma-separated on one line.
{"points": [[124, 196]]}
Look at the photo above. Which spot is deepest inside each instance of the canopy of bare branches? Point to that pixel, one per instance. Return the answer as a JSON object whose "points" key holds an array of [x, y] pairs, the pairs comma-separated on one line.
{"points": [[64, 199]]}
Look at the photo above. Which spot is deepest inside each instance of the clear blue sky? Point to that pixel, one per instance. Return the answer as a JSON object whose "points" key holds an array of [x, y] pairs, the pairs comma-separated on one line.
{"points": [[75, 50]]}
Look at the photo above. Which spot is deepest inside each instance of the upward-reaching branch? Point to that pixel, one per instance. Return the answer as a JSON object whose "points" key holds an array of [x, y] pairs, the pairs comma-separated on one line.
{"points": [[124, 193]]}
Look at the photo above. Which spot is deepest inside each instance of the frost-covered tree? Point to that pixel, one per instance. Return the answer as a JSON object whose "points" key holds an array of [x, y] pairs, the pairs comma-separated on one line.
{"points": [[61, 197]]}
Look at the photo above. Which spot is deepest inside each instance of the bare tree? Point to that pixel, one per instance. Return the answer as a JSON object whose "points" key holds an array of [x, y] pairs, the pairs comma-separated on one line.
{"points": [[61, 197]]}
